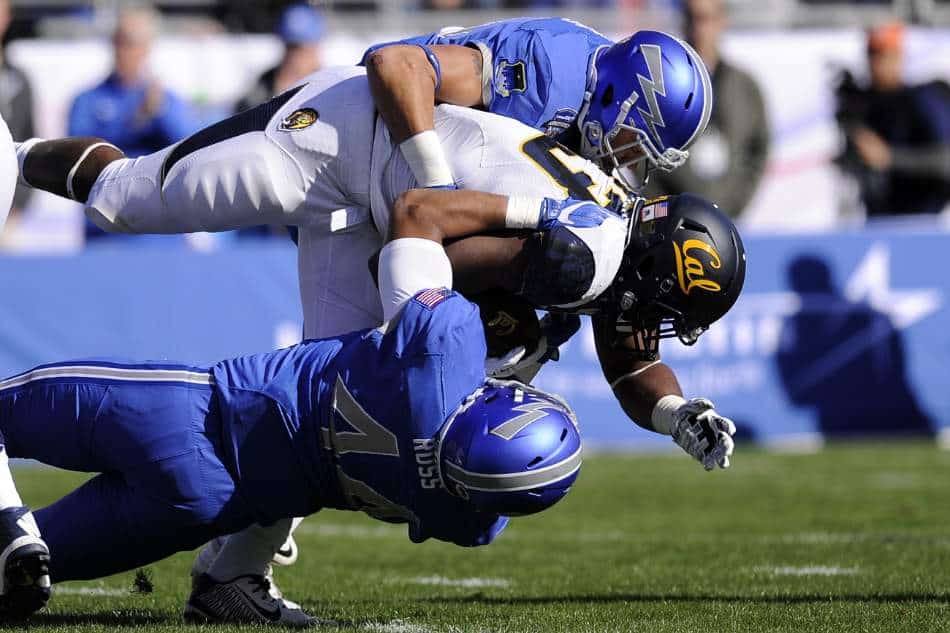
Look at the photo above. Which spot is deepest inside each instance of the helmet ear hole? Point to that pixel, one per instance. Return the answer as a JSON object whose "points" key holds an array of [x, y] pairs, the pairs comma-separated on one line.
{"points": [[608, 96]]}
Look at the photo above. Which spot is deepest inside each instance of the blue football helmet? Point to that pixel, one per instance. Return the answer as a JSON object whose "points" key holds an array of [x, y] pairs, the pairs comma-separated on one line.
{"points": [[653, 85], [510, 449]]}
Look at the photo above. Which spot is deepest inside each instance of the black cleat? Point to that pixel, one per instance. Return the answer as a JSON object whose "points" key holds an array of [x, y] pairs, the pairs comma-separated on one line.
{"points": [[24, 561]]}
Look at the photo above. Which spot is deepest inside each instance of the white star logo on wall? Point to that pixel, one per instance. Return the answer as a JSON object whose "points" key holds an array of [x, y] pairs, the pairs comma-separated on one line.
{"points": [[871, 283]]}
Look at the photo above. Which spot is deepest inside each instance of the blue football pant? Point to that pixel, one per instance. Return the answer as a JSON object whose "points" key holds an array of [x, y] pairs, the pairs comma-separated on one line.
{"points": [[152, 431]]}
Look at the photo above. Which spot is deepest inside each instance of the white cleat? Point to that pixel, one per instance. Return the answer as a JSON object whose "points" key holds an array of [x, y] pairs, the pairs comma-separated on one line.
{"points": [[243, 600]]}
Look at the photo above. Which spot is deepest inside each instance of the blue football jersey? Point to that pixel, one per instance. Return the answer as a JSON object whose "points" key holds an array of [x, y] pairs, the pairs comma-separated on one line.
{"points": [[355, 418], [539, 66]]}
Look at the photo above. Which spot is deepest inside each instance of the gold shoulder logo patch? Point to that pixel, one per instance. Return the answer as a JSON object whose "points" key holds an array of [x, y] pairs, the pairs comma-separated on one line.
{"points": [[299, 119], [690, 270]]}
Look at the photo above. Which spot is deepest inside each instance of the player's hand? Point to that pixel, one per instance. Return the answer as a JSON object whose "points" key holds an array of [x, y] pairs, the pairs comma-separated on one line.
{"points": [[518, 364], [700, 431]]}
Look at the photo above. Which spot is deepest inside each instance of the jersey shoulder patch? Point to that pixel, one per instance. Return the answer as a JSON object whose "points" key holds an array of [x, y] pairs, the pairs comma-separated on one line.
{"points": [[429, 299]]}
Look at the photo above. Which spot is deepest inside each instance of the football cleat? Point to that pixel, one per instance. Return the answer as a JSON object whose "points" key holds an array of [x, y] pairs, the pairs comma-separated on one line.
{"points": [[286, 555], [24, 561], [243, 600]]}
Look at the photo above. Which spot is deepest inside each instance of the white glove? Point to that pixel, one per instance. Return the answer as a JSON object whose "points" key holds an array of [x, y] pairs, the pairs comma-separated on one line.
{"points": [[517, 364], [700, 431]]}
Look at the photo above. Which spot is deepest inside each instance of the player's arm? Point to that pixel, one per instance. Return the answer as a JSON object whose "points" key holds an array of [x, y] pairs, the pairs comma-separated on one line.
{"points": [[441, 214], [407, 81], [651, 396], [422, 219]]}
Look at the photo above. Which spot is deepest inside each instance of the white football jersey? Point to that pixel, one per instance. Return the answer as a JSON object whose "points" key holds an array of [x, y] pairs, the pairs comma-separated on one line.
{"points": [[319, 158], [499, 155]]}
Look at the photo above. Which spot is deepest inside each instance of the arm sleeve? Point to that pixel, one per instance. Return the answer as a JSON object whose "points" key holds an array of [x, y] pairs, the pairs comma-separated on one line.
{"points": [[407, 266]]}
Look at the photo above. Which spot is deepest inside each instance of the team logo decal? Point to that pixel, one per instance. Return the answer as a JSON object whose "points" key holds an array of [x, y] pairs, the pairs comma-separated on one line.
{"points": [[510, 77], [690, 270], [652, 86], [299, 119], [503, 324]]}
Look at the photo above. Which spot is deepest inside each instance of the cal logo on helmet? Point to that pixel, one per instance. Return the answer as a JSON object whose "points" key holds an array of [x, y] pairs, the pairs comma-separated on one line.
{"points": [[690, 270], [299, 119]]}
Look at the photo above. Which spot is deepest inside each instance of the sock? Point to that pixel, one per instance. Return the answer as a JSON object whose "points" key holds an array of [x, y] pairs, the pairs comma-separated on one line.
{"points": [[249, 551], [9, 497]]}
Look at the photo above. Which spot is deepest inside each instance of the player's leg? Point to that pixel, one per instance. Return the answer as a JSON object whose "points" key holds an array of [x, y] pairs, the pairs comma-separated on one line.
{"points": [[339, 296], [154, 429], [240, 181]]}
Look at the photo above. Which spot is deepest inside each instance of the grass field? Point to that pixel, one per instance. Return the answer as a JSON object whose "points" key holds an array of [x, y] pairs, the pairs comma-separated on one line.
{"points": [[855, 538]]}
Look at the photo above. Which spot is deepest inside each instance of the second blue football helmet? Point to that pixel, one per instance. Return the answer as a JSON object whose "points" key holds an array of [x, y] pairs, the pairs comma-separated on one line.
{"points": [[653, 85], [510, 449]]}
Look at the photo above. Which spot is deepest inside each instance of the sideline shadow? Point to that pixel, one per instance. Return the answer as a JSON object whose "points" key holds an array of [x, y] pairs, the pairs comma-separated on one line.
{"points": [[845, 360]]}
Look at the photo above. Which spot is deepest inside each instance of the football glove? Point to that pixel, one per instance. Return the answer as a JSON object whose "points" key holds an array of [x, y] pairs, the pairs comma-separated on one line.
{"points": [[700, 431], [518, 364]]}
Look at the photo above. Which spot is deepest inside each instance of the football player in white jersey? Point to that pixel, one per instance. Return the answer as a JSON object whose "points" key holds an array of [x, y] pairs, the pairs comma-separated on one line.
{"points": [[316, 157]]}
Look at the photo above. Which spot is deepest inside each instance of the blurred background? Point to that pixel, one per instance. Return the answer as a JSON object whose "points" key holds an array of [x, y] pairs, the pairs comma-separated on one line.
{"points": [[829, 143]]}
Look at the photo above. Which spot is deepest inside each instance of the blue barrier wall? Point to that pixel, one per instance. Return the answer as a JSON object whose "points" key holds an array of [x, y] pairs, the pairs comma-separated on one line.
{"points": [[839, 334]]}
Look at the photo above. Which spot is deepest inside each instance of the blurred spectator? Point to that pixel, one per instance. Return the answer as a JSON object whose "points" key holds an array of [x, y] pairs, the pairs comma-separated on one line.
{"points": [[131, 108], [301, 28], [726, 163], [897, 135], [16, 99]]}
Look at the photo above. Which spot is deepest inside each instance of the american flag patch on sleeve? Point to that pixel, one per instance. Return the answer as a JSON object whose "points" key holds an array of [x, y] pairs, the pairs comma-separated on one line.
{"points": [[432, 297]]}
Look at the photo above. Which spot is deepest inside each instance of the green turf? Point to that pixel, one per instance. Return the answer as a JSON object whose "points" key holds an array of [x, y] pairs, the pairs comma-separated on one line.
{"points": [[855, 538]]}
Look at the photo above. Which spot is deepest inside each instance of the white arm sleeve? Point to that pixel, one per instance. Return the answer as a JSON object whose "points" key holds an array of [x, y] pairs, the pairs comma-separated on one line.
{"points": [[407, 266]]}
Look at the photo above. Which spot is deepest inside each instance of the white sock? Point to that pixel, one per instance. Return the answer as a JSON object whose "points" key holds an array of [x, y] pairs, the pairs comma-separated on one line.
{"points": [[249, 551], [9, 497]]}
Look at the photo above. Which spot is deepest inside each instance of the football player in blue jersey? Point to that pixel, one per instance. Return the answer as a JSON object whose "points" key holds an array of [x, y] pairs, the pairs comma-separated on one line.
{"points": [[644, 99], [399, 422]]}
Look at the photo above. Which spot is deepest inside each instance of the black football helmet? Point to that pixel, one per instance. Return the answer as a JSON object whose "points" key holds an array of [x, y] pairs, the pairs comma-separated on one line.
{"points": [[683, 269]]}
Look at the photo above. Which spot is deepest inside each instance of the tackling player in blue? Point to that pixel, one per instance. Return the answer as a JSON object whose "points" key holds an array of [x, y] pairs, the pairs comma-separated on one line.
{"points": [[645, 98], [399, 422]]}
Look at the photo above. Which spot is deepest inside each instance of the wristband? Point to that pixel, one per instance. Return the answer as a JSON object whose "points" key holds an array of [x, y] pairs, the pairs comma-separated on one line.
{"points": [[523, 212], [664, 412], [427, 160]]}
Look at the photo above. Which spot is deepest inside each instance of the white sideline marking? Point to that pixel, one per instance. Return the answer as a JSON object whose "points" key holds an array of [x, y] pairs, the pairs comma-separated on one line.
{"points": [[459, 582], [812, 570], [91, 591], [395, 626]]}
